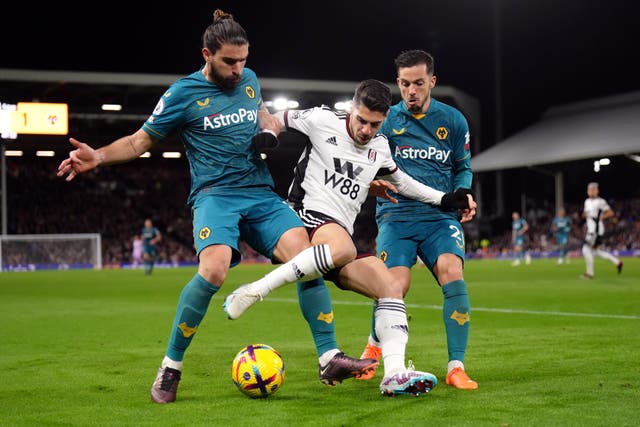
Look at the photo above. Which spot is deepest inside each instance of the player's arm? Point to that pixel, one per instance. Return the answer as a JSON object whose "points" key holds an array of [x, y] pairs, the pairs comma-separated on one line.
{"points": [[269, 122], [609, 213], [462, 179], [463, 175], [85, 158], [270, 127], [380, 188], [462, 172], [410, 187]]}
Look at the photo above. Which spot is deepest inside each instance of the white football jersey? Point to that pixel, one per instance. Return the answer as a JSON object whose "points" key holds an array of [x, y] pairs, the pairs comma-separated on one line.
{"points": [[593, 210], [334, 172]]}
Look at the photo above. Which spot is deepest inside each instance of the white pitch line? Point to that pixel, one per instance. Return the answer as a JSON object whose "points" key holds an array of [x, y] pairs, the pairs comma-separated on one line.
{"points": [[489, 310]]}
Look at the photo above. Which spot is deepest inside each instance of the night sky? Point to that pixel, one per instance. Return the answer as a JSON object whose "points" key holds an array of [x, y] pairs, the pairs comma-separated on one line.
{"points": [[550, 52], [535, 53]]}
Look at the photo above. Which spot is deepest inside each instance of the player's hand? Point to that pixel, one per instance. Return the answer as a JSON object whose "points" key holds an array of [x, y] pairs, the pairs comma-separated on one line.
{"points": [[265, 140], [269, 122], [462, 198], [380, 188], [80, 160], [467, 215]]}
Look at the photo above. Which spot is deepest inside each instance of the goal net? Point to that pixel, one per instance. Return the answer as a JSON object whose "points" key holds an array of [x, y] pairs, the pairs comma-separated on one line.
{"points": [[50, 251]]}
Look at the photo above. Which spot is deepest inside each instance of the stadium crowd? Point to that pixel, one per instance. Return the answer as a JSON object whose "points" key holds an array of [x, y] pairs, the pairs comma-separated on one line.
{"points": [[623, 231], [41, 203]]}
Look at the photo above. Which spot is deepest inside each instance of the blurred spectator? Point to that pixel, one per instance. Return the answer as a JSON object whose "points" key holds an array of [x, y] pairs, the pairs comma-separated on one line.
{"points": [[40, 203], [136, 251]]}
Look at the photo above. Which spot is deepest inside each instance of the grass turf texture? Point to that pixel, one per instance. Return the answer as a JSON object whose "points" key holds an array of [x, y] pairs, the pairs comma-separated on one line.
{"points": [[547, 348]]}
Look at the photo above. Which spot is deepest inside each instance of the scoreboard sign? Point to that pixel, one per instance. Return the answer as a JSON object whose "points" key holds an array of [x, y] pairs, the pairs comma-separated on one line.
{"points": [[40, 118]]}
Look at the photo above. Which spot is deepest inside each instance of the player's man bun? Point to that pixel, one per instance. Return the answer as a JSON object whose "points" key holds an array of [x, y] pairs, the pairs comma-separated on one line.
{"points": [[224, 30]]}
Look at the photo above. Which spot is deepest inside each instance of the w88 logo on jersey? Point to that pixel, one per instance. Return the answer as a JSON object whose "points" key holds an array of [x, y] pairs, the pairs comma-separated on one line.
{"points": [[344, 185]]}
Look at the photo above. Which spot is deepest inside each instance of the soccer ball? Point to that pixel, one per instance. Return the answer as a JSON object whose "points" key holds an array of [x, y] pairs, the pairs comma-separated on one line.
{"points": [[258, 370]]}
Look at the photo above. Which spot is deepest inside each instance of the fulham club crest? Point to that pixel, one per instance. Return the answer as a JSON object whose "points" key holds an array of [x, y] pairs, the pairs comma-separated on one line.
{"points": [[372, 155]]}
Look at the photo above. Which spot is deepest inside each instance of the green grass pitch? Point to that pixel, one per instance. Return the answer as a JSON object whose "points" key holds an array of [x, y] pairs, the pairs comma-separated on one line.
{"points": [[81, 348]]}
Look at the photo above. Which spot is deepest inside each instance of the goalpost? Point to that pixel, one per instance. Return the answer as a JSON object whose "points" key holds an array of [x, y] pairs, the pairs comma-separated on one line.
{"points": [[25, 252]]}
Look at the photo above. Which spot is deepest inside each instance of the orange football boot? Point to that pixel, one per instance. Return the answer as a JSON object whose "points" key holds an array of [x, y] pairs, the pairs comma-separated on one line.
{"points": [[459, 379], [370, 352]]}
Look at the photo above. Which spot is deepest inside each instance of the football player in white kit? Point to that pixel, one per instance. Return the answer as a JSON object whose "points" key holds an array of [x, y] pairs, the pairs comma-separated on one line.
{"points": [[595, 211], [331, 182]]}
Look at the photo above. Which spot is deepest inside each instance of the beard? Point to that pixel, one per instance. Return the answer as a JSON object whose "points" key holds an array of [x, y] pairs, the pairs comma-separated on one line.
{"points": [[226, 83], [416, 107]]}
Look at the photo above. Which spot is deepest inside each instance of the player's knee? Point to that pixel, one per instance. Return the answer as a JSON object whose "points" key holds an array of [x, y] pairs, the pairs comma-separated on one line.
{"points": [[213, 272], [405, 288], [448, 269], [291, 243], [396, 289], [343, 254]]}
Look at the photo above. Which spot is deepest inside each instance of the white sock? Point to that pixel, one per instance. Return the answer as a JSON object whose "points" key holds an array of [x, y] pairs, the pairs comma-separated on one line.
{"points": [[453, 364], [393, 332], [309, 264], [588, 258], [607, 255], [327, 356], [173, 364]]}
